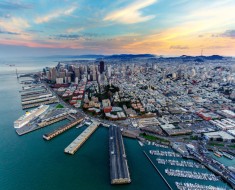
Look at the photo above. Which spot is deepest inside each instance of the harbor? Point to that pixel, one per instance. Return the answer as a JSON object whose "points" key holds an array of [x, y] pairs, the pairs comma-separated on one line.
{"points": [[39, 118], [36, 95], [32, 105], [164, 179], [193, 186], [119, 171], [62, 129], [181, 173], [81, 139]]}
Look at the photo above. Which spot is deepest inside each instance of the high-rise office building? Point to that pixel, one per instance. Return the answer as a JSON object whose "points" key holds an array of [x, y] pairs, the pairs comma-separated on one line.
{"points": [[109, 70], [101, 67], [53, 72]]}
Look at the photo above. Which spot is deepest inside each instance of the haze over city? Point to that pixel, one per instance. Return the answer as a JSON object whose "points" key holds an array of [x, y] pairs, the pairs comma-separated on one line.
{"points": [[161, 27]]}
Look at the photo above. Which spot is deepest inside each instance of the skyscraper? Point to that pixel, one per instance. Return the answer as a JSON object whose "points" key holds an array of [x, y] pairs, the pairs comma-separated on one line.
{"points": [[101, 67], [109, 70]]}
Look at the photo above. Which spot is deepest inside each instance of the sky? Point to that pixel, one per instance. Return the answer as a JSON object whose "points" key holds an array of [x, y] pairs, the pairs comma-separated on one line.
{"points": [[161, 27]]}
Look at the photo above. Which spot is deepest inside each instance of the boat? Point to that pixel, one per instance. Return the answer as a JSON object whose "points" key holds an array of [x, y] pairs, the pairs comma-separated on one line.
{"points": [[88, 123], [218, 154], [228, 155], [80, 125], [29, 116], [140, 143]]}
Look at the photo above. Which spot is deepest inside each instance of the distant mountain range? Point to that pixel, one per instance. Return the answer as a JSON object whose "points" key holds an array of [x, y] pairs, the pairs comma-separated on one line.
{"points": [[132, 56], [116, 56]]}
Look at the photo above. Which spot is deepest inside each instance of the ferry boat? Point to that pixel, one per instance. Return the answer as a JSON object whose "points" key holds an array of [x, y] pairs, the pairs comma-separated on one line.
{"points": [[218, 154], [29, 116], [228, 155]]}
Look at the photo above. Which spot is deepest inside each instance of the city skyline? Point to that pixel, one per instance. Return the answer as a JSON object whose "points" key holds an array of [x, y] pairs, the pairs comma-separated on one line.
{"points": [[160, 27]]}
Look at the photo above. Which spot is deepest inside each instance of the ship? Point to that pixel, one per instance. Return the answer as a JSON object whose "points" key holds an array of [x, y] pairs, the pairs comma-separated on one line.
{"points": [[228, 155], [29, 116], [217, 153]]}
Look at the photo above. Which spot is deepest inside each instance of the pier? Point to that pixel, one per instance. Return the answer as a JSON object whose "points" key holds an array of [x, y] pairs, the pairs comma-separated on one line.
{"points": [[60, 130], [39, 103], [158, 172], [46, 123], [119, 172], [33, 127], [78, 142]]}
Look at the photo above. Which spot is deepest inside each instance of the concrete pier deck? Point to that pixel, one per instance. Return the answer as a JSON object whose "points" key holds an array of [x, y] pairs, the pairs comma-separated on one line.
{"points": [[39, 103], [78, 142], [30, 128], [60, 130], [119, 172]]}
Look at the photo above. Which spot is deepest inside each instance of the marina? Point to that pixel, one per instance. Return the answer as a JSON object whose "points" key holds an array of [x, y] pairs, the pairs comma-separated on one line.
{"points": [[193, 186], [181, 163], [78, 142], [191, 174], [60, 130], [119, 171], [164, 153], [179, 172], [158, 171]]}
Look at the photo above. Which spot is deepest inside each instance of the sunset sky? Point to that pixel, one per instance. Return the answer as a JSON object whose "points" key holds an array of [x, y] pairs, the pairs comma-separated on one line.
{"points": [[161, 27]]}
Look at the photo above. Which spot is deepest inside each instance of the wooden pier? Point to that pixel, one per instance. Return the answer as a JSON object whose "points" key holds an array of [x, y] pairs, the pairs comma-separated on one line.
{"points": [[39, 103], [60, 130], [78, 142], [46, 123]]}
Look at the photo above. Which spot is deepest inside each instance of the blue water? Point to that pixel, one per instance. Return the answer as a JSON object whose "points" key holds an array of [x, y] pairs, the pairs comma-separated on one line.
{"points": [[224, 160], [171, 180], [30, 163]]}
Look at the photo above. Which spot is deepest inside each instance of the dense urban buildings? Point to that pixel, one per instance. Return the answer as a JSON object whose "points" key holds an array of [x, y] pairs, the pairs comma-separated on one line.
{"points": [[184, 106]]}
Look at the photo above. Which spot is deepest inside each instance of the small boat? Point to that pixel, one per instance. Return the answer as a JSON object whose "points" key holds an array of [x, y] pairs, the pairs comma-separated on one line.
{"points": [[228, 155], [140, 143], [218, 154]]}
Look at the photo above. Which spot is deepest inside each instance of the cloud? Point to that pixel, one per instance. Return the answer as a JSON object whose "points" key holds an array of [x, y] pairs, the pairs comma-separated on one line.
{"points": [[226, 34], [218, 47], [16, 25], [8, 32], [229, 33], [74, 30], [55, 14], [83, 36], [14, 5], [131, 14], [179, 47], [67, 36], [4, 15]]}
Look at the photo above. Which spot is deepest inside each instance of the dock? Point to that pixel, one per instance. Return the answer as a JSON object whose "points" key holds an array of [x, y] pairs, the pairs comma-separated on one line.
{"points": [[119, 172], [81, 139], [60, 130], [46, 123], [158, 171], [39, 103], [33, 127]]}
